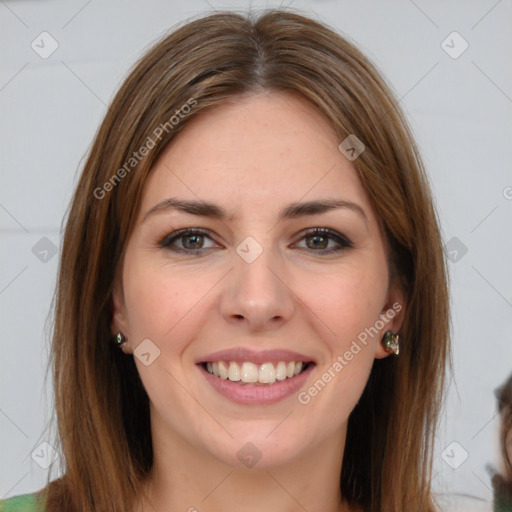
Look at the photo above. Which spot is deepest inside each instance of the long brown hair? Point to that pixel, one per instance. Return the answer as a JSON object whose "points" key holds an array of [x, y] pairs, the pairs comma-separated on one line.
{"points": [[102, 408]]}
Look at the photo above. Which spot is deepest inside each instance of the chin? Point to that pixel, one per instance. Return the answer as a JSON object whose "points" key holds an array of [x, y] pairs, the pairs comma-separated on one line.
{"points": [[260, 448]]}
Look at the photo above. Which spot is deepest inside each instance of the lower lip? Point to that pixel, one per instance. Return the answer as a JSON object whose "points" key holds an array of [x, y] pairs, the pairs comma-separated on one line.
{"points": [[257, 394]]}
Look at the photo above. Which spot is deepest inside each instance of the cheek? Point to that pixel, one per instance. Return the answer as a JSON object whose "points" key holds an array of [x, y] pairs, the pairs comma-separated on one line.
{"points": [[347, 305], [346, 301], [159, 299]]}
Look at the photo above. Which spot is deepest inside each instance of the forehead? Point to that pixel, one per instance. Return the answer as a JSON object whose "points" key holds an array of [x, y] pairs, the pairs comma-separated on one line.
{"points": [[255, 153]]}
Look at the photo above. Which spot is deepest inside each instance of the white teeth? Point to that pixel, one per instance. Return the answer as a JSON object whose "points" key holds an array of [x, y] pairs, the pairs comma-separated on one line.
{"points": [[234, 372], [247, 372], [267, 374], [281, 370], [223, 370]]}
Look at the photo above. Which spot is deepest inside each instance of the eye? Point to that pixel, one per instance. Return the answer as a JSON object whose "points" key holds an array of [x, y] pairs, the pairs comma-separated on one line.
{"points": [[320, 238], [189, 240]]}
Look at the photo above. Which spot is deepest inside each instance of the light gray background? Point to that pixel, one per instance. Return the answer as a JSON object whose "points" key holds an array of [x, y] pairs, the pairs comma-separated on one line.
{"points": [[460, 111]]}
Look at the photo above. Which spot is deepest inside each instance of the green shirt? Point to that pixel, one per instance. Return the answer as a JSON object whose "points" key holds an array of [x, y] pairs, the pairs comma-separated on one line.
{"points": [[22, 503], [501, 504]]}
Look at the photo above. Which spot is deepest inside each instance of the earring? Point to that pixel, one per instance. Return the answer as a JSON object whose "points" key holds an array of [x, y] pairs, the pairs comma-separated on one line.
{"points": [[391, 343], [120, 340]]}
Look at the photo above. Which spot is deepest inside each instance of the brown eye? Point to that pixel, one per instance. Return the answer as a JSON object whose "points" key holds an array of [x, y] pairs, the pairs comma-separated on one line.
{"points": [[318, 239], [185, 240]]}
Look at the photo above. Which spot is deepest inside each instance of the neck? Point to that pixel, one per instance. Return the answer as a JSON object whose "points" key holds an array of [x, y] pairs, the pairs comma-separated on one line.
{"points": [[183, 478]]}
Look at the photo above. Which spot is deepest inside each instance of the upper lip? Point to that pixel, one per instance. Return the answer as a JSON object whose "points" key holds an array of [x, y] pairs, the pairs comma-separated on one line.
{"points": [[255, 356]]}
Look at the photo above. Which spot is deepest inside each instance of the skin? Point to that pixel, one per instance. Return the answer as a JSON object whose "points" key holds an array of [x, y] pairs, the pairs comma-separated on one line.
{"points": [[252, 156]]}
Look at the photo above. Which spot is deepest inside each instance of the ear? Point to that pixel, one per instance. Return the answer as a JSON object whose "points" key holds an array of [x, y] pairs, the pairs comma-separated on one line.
{"points": [[119, 321], [392, 316]]}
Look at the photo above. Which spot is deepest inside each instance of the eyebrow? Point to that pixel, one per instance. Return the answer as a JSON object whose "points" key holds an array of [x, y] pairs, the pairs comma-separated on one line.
{"points": [[291, 211]]}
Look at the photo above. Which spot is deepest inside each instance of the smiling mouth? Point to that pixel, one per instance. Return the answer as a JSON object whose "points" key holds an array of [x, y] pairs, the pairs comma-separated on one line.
{"points": [[248, 373]]}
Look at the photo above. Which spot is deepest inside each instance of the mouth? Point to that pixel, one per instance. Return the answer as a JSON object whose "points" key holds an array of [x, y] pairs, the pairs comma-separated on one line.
{"points": [[247, 373], [256, 377], [257, 382]]}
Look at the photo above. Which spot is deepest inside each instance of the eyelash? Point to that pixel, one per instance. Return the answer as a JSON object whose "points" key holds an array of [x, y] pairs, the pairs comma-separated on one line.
{"points": [[343, 241]]}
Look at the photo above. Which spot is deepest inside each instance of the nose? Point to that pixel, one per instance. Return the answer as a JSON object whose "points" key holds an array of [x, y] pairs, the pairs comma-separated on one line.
{"points": [[256, 294]]}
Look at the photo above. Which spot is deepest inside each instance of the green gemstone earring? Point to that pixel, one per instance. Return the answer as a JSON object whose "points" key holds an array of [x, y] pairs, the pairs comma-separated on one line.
{"points": [[119, 340], [391, 343]]}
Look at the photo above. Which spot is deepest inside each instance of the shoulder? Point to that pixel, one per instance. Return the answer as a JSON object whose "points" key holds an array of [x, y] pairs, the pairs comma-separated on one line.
{"points": [[22, 503]]}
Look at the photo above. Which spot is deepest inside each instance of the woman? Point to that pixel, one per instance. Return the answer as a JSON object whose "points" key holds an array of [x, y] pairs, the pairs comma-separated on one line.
{"points": [[255, 232], [502, 482]]}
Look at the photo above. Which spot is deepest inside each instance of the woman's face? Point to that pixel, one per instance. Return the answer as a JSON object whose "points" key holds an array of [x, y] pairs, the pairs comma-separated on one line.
{"points": [[255, 284]]}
